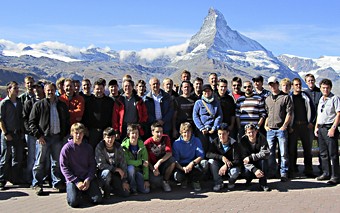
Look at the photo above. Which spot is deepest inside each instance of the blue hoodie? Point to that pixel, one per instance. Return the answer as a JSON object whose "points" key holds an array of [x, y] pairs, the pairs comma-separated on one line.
{"points": [[186, 151]]}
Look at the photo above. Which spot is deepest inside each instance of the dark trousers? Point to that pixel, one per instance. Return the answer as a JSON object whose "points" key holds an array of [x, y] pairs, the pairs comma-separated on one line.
{"points": [[95, 136], [329, 152], [263, 166], [206, 139]]}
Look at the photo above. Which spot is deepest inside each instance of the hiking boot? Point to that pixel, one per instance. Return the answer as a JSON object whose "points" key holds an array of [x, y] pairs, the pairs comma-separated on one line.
{"points": [[166, 186], [197, 186]]}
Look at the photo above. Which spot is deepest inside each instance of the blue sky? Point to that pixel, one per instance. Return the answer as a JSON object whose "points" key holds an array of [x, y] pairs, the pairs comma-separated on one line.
{"points": [[297, 27]]}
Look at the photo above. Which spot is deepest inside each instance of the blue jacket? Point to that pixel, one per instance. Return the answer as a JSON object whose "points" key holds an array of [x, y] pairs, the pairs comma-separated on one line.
{"points": [[202, 117], [185, 152]]}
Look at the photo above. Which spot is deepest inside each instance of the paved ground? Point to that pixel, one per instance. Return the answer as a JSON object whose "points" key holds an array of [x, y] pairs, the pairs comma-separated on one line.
{"points": [[298, 195]]}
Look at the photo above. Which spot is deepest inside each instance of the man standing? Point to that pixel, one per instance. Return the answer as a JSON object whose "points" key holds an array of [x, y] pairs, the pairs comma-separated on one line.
{"points": [[49, 123], [279, 108], [236, 88], [12, 130], [258, 87], [213, 79], [303, 116], [29, 94], [327, 131], [86, 89], [197, 89], [113, 89]]}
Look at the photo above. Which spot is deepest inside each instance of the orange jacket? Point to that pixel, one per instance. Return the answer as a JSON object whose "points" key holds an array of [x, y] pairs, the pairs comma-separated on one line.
{"points": [[75, 106]]}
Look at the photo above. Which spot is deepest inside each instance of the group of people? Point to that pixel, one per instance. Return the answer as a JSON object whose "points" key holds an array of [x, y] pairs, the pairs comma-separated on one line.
{"points": [[125, 140]]}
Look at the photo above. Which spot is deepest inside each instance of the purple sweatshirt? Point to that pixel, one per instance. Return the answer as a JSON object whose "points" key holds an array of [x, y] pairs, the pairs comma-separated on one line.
{"points": [[77, 162]]}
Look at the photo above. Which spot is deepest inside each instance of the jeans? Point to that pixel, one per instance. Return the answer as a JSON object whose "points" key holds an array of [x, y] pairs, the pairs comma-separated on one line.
{"points": [[52, 149], [136, 180], [112, 182], [31, 143], [73, 193], [11, 159], [282, 137], [215, 166], [263, 166], [329, 153]]}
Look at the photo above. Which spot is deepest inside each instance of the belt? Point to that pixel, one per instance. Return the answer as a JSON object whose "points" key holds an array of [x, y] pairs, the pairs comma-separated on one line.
{"points": [[300, 122], [325, 125]]}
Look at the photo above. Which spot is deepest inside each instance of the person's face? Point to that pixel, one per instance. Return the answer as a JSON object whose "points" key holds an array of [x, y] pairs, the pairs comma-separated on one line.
{"points": [[76, 87], [198, 86], [98, 91], [186, 135], [213, 80], [236, 87], [113, 89], [157, 134], [222, 88], [154, 85], [207, 93], [251, 133], [127, 87], [223, 135], [69, 88], [167, 86], [310, 81], [77, 136], [186, 88], [61, 87], [38, 91], [185, 77], [325, 90], [14, 91], [297, 86], [274, 87], [28, 84], [141, 89], [133, 135], [50, 92], [248, 88], [285, 87], [109, 140], [86, 86], [258, 84]]}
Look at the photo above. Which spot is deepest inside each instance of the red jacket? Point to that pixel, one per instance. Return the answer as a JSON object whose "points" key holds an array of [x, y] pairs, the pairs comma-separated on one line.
{"points": [[118, 113], [75, 106]]}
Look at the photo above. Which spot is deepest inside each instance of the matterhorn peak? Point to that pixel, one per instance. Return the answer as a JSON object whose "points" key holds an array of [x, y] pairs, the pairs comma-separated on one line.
{"points": [[216, 35]]}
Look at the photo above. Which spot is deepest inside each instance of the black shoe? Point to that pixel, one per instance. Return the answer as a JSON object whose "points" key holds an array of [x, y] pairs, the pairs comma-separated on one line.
{"points": [[248, 182], [38, 190], [2, 187], [284, 178], [323, 177], [333, 181], [265, 188]]}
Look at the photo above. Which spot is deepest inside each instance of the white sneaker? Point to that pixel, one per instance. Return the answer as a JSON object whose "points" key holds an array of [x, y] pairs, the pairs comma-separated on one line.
{"points": [[166, 186]]}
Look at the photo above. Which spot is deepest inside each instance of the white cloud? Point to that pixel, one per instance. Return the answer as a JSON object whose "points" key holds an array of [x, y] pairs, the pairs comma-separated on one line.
{"points": [[151, 54]]}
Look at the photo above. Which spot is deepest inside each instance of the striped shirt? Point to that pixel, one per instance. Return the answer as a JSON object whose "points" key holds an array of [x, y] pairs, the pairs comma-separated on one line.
{"points": [[250, 109]]}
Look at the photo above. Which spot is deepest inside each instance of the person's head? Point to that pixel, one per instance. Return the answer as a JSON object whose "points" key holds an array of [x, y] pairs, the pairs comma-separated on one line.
{"points": [[99, 88], [213, 80], [86, 86], [154, 85], [326, 87], [223, 132], [113, 87], [60, 85], [12, 89], [141, 87], [157, 131], [50, 89], [258, 82], [29, 81], [248, 88], [185, 75], [127, 77], [198, 84], [186, 87], [222, 86], [207, 91], [128, 87], [185, 130], [236, 84], [133, 133], [310, 80], [77, 132], [168, 85], [109, 136], [38, 89], [273, 84], [76, 86], [251, 132], [286, 85], [69, 87], [297, 85]]}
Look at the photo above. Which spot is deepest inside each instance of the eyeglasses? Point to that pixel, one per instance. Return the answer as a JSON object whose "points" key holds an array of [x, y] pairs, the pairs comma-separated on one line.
{"points": [[236, 85], [245, 87]]}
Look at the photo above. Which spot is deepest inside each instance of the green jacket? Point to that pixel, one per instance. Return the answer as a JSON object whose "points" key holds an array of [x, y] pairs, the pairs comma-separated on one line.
{"points": [[142, 155]]}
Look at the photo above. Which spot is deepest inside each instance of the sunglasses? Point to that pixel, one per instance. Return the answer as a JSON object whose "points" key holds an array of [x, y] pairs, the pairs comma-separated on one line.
{"points": [[322, 107], [245, 87]]}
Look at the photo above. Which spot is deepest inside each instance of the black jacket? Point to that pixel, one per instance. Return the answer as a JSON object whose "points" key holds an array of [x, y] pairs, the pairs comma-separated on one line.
{"points": [[216, 152], [39, 120]]}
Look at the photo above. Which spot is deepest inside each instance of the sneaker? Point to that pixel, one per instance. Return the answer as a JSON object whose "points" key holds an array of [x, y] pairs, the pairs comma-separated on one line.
{"points": [[218, 187], [265, 188], [231, 185], [38, 190], [322, 177], [197, 186], [166, 186], [333, 181], [284, 178], [184, 184]]}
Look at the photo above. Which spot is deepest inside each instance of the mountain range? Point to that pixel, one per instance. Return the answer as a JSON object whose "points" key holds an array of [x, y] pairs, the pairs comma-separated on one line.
{"points": [[214, 48]]}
